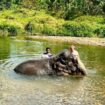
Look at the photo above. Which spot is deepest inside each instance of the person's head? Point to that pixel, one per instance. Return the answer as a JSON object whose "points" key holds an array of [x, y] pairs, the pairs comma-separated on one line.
{"points": [[48, 50], [72, 48]]}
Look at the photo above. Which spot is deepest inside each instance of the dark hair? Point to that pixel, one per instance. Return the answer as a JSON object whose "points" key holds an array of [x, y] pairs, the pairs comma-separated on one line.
{"points": [[48, 48]]}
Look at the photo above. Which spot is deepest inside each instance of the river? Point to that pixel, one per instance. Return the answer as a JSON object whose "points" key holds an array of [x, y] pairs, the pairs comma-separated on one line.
{"points": [[17, 89]]}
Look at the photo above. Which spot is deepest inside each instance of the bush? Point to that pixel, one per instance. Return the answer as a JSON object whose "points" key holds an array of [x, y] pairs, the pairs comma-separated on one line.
{"points": [[90, 19], [9, 29], [77, 29], [49, 30], [100, 31], [12, 30]]}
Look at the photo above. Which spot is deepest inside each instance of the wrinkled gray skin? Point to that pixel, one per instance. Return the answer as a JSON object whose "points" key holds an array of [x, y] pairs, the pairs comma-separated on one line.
{"points": [[36, 67], [46, 66]]}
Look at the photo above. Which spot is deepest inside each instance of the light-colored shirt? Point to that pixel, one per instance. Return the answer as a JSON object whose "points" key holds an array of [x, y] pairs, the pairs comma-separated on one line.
{"points": [[47, 55]]}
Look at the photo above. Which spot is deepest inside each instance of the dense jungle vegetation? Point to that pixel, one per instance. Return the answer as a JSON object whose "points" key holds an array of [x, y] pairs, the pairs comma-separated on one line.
{"points": [[53, 17]]}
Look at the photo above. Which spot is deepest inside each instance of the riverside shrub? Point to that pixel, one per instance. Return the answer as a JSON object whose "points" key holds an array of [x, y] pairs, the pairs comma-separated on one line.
{"points": [[49, 30], [78, 29], [11, 30], [100, 31]]}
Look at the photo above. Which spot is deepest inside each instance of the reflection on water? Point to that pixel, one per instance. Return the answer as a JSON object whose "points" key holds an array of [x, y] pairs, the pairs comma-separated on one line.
{"points": [[17, 89]]}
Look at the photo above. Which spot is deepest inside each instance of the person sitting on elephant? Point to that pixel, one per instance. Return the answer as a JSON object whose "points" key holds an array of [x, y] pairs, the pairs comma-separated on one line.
{"points": [[74, 54], [69, 61], [75, 58], [47, 53]]}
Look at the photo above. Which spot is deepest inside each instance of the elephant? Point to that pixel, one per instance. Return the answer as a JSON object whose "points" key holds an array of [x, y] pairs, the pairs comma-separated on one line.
{"points": [[60, 64]]}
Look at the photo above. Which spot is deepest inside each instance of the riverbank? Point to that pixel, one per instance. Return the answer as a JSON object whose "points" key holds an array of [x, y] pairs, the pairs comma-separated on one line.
{"points": [[72, 40]]}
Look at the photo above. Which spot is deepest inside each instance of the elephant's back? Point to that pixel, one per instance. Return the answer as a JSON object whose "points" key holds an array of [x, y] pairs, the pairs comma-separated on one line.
{"points": [[33, 67]]}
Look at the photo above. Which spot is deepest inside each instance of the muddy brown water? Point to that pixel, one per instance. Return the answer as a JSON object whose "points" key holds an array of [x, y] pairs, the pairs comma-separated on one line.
{"points": [[17, 89]]}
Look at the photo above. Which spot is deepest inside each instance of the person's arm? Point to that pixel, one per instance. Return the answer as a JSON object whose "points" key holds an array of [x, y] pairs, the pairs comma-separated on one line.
{"points": [[78, 56]]}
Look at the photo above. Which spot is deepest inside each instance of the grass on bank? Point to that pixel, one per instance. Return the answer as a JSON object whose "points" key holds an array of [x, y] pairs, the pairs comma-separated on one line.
{"points": [[30, 22]]}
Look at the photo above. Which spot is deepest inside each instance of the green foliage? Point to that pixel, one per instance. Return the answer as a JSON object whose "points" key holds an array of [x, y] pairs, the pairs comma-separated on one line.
{"points": [[103, 8], [9, 29], [49, 30], [31, 21], [90, 19], [78, 30], [100, 31], [12, 30], [68, 9], [29, 27], [17, 1]]}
